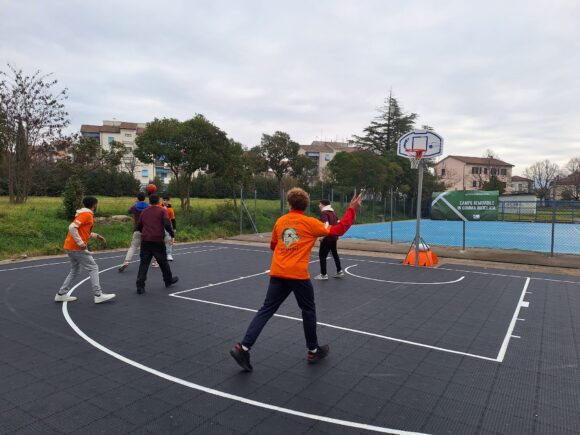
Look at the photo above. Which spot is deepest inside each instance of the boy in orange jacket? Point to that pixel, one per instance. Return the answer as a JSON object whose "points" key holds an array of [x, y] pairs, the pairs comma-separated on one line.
{"points": [[76, 246], [292, 240]]}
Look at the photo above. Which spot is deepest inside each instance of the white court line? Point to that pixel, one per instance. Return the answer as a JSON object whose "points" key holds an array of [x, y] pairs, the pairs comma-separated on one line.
{"points": [[97, 259], [218, 393], [228, 281], [356, 331], [506, 340], [477, 272], [401, 282]]}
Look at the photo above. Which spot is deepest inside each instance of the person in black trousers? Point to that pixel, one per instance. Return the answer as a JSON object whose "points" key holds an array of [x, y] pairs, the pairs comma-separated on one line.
{"points": [[153, 222], [328, 243]]}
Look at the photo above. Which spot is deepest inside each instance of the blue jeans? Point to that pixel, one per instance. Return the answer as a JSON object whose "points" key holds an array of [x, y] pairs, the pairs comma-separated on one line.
{"points": [[278, 291]]}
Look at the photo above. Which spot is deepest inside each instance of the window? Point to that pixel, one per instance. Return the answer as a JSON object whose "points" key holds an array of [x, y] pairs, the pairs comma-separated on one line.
{"points": [[327, 157], [128, 135], [485, 171], [145, 172], [476, 170], [493, 171], [503, 171], [443, 172], [474, 183], [110, 139]]}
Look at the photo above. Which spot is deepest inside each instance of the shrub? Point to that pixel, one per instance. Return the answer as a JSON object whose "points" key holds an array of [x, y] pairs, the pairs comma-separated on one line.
{"points": [[73, 196]]}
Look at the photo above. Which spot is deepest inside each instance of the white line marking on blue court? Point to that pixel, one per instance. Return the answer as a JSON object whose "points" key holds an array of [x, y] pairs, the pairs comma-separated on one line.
{"points": [[401, 282], [218, 393], [506, 340]]}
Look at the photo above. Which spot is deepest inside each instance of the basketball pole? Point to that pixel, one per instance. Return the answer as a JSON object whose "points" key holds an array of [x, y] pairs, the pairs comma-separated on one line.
{"points": [[419, 196]]}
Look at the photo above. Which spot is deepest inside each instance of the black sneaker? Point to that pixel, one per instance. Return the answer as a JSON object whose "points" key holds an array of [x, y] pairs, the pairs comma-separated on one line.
{"points": [[173, 281], [321, 352], [242, 357], [140, 290]]}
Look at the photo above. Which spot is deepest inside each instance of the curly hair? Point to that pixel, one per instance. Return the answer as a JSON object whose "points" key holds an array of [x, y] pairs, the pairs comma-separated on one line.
{"points": [[298, 199]]}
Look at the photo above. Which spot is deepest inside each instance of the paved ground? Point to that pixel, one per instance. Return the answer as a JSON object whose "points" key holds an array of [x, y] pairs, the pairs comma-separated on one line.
{"points": [[451, 350]]}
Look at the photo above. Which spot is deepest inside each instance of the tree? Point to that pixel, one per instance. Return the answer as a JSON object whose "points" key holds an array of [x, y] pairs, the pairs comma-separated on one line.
{"points": [[31, 113], [73, 196], [185, 147], [494, 183], [280, 153], [543, 174], [571, 183], [385, 130], [303, 169]]}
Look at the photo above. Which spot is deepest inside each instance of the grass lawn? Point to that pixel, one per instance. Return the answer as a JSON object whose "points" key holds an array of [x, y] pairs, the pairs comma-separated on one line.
{"points": [[39, 228]]}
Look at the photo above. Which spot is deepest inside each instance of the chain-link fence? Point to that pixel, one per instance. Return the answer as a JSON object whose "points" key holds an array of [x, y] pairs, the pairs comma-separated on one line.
{"points": [[551, 227]]}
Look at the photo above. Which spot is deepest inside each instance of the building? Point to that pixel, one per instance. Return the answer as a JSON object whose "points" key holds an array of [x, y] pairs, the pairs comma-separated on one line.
{"points": [[521, 185], [568, 188], [470, 173], [126, 133], [322, 153]]}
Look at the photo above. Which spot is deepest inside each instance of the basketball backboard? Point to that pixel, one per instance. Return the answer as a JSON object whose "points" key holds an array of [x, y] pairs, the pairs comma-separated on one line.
{"points": [[428, 143]]}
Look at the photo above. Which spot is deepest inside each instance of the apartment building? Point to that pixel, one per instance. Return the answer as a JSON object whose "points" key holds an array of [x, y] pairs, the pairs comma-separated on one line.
{"points": [[322, 153], [470, 173], [521, 185], [126, 133]]}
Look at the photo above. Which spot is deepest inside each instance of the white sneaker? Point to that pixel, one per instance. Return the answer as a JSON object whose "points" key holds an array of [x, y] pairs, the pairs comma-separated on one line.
{"points": [[64, 298], [339, 274], [170, 258], [154, 264], [321, 277], [104, 297]]}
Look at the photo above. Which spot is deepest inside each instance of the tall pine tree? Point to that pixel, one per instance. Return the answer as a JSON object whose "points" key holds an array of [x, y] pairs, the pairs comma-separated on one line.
{"points": [[382, 134]]}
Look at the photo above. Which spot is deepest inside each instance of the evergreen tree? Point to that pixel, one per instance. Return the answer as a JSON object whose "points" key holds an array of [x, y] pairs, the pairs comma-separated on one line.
{"points": [[72, 196], [382, 134]]}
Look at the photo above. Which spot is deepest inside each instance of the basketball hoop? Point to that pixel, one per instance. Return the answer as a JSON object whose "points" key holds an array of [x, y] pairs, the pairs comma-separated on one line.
{"points": [[415, 156]]}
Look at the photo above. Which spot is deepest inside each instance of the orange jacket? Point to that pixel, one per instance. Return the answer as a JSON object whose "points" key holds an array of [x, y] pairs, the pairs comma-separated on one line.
{"points": [[294, 236]]}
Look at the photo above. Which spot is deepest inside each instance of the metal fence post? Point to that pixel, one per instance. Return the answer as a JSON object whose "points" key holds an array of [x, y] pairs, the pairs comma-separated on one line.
{"points": [[463, 234], [391, 207], [553, 228], [241, 213], [256, 206]]}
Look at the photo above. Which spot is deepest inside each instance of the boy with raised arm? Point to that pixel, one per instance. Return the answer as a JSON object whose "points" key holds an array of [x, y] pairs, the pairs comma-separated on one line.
{"points": [[293, 237]]}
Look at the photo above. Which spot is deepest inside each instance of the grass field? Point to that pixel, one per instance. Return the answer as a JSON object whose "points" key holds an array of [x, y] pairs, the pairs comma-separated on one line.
{"points": [[39, 228]]}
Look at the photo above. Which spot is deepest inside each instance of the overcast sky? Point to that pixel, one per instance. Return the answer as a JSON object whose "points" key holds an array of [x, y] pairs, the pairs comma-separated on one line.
{"points": [[500, 75]]}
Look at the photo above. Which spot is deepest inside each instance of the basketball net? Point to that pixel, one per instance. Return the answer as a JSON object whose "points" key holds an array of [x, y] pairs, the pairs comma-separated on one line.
{"points": [[415, 156]]}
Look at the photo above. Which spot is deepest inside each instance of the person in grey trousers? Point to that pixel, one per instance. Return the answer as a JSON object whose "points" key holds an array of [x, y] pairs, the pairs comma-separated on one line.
{"points": [[77, 249]]}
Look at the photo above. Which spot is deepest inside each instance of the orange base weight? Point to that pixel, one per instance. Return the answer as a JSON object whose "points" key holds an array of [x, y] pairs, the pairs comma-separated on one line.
{"points": [[426, 258]]}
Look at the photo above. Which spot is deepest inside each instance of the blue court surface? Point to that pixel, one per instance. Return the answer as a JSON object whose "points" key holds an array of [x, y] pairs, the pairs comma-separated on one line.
{"points": [[525, 236], [452, 350]]}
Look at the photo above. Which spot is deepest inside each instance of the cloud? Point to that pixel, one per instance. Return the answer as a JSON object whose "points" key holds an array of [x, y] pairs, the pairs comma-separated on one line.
{"points": [[492, 75]]}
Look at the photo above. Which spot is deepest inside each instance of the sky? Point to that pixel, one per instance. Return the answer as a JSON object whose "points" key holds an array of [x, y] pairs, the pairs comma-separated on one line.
{"points": [[494, 75]]}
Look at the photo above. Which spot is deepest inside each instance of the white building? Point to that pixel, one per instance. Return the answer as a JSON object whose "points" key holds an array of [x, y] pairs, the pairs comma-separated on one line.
{"points": [[126, 133], [322, 153]]}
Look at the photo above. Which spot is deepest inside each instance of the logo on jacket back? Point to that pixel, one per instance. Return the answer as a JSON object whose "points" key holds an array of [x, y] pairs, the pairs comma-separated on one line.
{"points": [[289, 236]]}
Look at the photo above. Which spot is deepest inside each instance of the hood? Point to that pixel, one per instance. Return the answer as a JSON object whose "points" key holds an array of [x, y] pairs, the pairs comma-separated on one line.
{"points": [[327, 208], [141, 205], [83, 210]]}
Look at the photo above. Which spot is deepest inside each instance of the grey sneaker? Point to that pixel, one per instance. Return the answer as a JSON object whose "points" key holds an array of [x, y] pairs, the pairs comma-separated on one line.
{"points": [[321, 277], [64, 298], [104, 297], [339, 274]]}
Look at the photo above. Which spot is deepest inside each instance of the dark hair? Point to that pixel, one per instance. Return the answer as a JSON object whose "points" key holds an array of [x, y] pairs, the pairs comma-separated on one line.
{"points": [[166, 197], [89, 201], [298, 199], [153, 199], [325, 202], [141, 196]]}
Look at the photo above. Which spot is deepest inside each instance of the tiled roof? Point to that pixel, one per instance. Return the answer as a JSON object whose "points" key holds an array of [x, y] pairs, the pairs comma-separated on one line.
{"points": [[318, 146], [571, 180], [483, 161], [86, 128], [518, 178]]}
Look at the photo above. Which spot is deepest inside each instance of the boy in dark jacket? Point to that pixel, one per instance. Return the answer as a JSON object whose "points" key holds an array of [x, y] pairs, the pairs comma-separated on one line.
{"points": [[135, 212], [153, 222], [328, 243]]}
